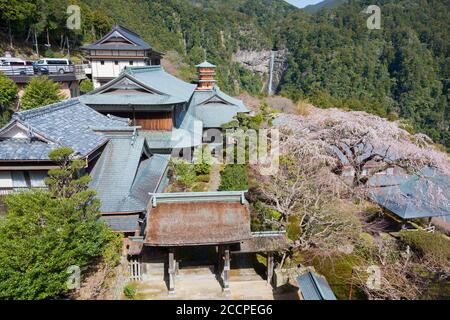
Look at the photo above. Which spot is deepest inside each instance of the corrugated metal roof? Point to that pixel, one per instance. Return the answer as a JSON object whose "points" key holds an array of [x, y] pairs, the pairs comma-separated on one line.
{"points": [[150, 174], [315, 287], [419, 196], [122, 223], [215, 108], [188, 135], [122, 180], [114, 173], [197, 219]]}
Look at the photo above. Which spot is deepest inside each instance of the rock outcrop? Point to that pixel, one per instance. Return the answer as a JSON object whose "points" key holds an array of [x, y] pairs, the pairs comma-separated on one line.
{"points": [[259, 63]]}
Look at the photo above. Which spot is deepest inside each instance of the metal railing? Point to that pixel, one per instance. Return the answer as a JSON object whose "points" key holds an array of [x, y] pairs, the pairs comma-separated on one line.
{"points": [[76, 69], [17, 70], [269, 233], [7, 191]]}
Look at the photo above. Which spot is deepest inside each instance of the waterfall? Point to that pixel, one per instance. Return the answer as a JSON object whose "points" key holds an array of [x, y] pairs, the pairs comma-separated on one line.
{"points": [[271, 65]]}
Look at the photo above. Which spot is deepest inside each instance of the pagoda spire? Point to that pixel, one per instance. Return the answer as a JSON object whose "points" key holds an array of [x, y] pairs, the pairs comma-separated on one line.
{"points": [[205, 76]]}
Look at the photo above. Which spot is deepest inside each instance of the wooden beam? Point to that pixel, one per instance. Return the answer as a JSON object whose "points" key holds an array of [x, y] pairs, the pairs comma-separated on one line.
{"points": [[270, 265], [171, 271], [226, 269]]}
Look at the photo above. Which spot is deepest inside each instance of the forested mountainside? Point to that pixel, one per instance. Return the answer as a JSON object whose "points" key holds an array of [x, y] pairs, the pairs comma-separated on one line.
{"points": [[401, 70], [326, 4]]}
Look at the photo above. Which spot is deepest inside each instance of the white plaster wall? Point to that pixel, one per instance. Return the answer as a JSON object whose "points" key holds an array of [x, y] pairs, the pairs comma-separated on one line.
{"points": [[109, 69], [16, 133]]}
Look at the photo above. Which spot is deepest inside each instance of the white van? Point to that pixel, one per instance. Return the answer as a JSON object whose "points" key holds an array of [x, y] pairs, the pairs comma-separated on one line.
{"points": [[54, 65], [15, 66]]}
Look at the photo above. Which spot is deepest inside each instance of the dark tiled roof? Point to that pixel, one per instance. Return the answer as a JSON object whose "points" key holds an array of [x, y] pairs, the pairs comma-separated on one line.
{"points": [[67, 123], [138, 42], [24, 149]]}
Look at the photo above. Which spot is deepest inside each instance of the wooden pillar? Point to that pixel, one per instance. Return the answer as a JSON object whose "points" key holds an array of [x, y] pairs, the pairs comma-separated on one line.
{"points": [[219, 259], [171, 271], [226, 269], [270, 265]]}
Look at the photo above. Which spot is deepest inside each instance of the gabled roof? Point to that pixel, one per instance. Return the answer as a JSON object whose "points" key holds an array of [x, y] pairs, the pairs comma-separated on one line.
{"points": [[215, 107], [315, 287], [158, 79], [68, 123], [156, 86], [134, 41]]}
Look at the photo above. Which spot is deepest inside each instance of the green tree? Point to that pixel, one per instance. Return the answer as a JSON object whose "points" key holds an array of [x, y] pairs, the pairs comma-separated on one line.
{"points": [[40, 92], [86, 86], [202, 160], [8, 96], [47, 231], [183, 172], [234, 178]]}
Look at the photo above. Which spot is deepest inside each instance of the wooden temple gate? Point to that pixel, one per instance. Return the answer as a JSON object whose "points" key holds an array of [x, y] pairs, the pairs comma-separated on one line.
{"points": [[179, 221]]}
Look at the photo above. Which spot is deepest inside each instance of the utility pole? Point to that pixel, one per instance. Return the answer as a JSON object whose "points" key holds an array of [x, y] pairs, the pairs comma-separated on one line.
{"points": [[10, 35], [36, 42]]}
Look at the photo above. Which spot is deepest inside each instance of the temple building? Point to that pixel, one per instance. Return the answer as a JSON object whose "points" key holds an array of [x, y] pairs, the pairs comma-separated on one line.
{"points": [[119, 48], [171, 113], [126, 131]]}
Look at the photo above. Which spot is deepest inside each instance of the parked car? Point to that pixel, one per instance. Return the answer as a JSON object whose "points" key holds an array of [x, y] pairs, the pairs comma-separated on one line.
{"points": [[53, 65], [39, 69], [16, 66]]}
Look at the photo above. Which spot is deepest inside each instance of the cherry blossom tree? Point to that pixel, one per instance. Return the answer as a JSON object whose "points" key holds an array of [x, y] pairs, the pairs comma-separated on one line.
{"points": [[356, 139], [307, 194]]}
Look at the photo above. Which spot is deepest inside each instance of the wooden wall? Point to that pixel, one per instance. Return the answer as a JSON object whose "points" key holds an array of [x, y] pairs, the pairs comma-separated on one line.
{"points": [[155, 121], [159, 121]]}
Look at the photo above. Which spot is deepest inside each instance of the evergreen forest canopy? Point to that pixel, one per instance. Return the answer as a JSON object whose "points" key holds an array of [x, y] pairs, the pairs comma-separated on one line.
{"points": [[401, 70]]}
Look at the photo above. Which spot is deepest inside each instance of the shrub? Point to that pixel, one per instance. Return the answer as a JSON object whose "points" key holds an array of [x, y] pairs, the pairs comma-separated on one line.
{"points": [[234, 178], [8, 92], [129, 291], [86, 86], [203, 178], [40, 92], [183, 172], [433, 247], [203, 161]]}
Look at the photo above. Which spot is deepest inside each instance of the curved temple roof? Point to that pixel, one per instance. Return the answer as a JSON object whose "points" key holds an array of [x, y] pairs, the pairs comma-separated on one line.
{"points": [[135, 42]]}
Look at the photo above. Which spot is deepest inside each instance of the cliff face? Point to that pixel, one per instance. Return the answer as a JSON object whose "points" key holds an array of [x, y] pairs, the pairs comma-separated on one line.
{"points": [[259, 62]]}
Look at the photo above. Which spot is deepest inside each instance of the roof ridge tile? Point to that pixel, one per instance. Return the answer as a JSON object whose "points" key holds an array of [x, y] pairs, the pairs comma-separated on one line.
{"points": [[28, 114]]}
